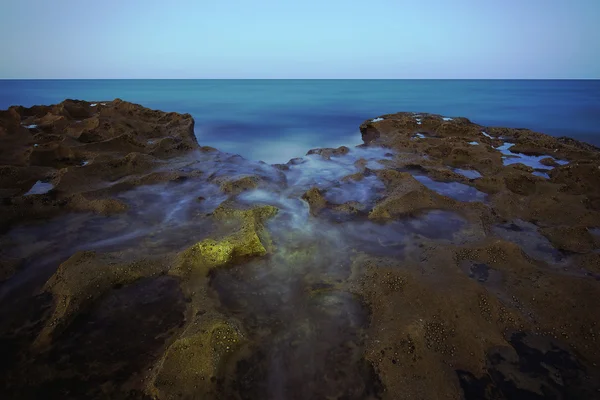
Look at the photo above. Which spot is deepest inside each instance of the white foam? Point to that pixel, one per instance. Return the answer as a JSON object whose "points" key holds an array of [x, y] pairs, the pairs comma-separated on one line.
{"points": [[363, 191], [377, 120], [314, 170]]}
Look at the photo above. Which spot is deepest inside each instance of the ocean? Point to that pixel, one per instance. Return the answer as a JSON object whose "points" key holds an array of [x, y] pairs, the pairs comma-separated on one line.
{"points": [[276, 120]]}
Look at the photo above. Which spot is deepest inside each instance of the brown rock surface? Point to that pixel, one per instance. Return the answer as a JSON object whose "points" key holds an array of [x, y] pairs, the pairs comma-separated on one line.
{"points": [[176, 271], [79, 148]]}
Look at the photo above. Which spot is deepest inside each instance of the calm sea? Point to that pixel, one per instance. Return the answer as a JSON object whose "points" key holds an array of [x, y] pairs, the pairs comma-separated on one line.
{"points": [[275, 120]]}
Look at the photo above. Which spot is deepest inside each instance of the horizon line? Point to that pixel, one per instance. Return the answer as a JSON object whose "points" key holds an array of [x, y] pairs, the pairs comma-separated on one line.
{"points": [[299, 79]]}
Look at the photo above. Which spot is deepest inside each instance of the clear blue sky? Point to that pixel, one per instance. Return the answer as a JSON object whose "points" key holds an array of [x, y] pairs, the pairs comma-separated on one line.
{"points": [[300, 39]]}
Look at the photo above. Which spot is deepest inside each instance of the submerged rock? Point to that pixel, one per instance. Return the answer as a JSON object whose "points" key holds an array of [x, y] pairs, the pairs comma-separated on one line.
{"points": [[85, 277], [327, 153], [576, 239], [315, 200], [240, 185]]}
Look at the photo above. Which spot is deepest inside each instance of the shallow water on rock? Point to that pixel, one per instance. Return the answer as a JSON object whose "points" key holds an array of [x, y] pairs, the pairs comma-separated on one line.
{"points": [[366, 191], [534, 244], [530, 161], [305, 330], [455, 190], [468, 173], [40, 188], [314, 170]]}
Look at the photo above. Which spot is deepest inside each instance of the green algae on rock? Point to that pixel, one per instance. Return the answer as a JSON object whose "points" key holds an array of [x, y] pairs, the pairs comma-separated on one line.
{"points": [[249, 239], [191, 364]]}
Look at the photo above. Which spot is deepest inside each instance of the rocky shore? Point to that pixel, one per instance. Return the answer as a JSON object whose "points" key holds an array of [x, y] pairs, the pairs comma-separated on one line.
{"points": [[439, 260]]}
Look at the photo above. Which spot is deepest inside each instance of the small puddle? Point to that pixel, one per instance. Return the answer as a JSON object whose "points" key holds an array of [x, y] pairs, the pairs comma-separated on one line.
{"points": [[455, 190], [530, 161], [392, 238], [534, 244], [468, 173], [541, 174], [40, 188]]}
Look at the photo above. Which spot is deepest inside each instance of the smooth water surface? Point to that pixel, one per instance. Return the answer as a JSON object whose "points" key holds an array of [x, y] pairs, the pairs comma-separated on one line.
{"points": [[276, 120]]}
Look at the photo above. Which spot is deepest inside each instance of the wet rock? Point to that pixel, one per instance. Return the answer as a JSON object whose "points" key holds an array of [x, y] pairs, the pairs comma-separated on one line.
{"points": [[549, 161], [581, 178], [358, 176], [8, 266], [521, 167], [237, 186], [420, 326], [530, 369], [249, 239], [521, 184], [576, 239], [350, 207], [91, 358], [57, 140], [192, 364], [315, 200], [83, 278], [327, 153], [320, 316], [398, 205]]}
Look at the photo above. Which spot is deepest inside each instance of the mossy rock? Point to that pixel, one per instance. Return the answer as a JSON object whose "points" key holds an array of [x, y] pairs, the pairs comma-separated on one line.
{"points": [[315, 200], [191, 365], [227, 211], [237, 186], [249, 239]]}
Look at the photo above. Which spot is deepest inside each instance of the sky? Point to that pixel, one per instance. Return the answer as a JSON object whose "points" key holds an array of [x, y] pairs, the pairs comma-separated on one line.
{"points": [[271, 39]]}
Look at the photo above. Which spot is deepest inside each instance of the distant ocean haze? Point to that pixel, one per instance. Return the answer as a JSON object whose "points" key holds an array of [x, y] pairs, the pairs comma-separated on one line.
{"points": [[276, 120]]}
